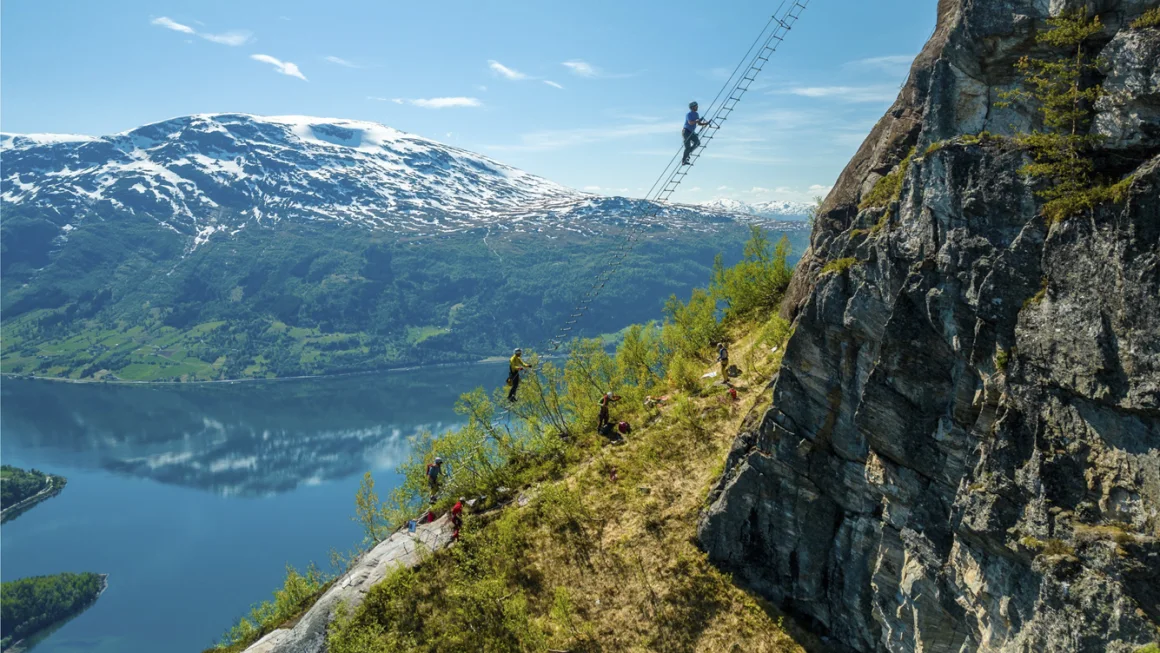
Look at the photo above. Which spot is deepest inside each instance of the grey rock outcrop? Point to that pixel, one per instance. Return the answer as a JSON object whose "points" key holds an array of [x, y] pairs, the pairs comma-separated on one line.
{"points": [[308, 635], [963, 450]]}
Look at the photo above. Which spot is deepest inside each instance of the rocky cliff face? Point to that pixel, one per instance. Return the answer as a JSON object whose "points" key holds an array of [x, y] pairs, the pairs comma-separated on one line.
{"points": [[963, 451]]}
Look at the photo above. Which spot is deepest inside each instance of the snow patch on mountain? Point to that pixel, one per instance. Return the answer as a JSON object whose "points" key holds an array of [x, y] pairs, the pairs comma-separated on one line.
{"points": [[8, 141]]}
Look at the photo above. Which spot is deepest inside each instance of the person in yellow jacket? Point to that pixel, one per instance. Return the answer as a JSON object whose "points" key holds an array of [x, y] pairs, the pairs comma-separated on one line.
{"points": [[514, 366]]}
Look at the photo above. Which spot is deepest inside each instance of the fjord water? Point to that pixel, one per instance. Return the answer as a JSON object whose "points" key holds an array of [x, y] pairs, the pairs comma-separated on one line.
{"points": [[194, 498]]}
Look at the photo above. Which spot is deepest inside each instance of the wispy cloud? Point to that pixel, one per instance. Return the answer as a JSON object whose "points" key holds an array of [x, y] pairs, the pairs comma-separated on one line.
{"points": [[232, 37], [582, 68], [169, 23], [283, 67], [503, 71], [432, 103], [553, 84], [893, 63], [339, 61], [874, 93]]}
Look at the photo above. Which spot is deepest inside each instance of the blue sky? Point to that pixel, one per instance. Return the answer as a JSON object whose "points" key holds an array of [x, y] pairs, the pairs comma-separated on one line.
{"points": [[587, 94]]}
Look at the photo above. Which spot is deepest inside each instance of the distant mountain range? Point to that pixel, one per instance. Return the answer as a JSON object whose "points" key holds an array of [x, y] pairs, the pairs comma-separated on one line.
{"points": [[226, 245], [775, 209]]}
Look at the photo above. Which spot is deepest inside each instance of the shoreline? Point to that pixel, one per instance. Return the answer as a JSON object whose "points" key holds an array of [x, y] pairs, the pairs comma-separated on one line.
{"points": [[334, 375], [18, 509], [490, 360]]}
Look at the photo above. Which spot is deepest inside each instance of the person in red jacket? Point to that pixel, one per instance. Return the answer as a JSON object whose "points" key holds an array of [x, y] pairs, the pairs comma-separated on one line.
{"points": [[456, 518]]}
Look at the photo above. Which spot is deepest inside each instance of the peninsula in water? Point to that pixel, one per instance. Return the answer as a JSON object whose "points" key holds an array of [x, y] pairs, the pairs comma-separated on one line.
{"points": [[20, 489], [31, 608]]}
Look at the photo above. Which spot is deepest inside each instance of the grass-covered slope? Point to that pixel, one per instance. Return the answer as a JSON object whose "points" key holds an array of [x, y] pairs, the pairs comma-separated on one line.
{"points": [[581, 543], [590, 563]]}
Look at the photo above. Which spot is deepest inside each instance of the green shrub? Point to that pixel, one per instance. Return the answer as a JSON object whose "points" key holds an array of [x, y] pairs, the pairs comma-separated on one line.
{"points": [[366, 503], [980, 138], [1051, 547], [776, 332], [640, 357], [690, 417], [1150, 18], [1083, 200], [757, 283], [813, 211], [1056, 547], [888, 188], [298, 592], [684, 375], [1039, 296], [1002, 357], [691, 328], [1117, 532], [839, 265]]}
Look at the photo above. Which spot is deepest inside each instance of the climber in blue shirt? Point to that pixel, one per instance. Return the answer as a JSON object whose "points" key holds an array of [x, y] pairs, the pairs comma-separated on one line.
{"points": [[689, 131]]}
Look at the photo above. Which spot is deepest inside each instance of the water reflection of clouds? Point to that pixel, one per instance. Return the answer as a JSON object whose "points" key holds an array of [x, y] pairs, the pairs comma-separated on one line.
{"points": [[254, 441], [244, 462]]}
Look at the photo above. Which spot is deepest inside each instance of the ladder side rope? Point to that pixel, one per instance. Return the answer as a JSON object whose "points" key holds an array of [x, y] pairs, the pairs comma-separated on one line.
{"points": [[670, 179]]}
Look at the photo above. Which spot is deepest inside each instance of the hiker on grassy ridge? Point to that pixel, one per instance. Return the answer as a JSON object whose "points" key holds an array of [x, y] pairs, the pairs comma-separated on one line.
{"points": [[435, 476], [514, 366], [723, 359], [605, 401]]}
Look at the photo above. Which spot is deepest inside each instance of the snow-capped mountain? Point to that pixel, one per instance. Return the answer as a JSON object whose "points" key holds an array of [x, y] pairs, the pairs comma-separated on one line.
{"points": [[213, 174], [287, 246], [774, 209]]}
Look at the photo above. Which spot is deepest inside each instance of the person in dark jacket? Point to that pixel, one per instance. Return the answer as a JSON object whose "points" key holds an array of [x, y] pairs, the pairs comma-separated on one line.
{"points": [[689, 131], [435, 475], [605, 401]]}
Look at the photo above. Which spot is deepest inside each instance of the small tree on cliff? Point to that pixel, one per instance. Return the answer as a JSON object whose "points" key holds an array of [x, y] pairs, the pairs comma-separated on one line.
{"points": [[1056, 86]]}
